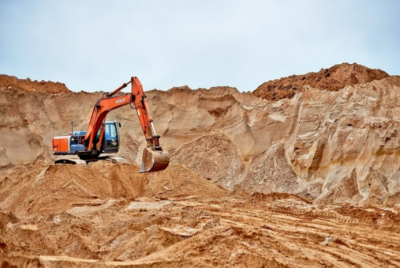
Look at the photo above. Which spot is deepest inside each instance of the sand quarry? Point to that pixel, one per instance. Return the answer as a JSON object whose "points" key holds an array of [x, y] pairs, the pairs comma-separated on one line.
{"points": [[304, 172]]}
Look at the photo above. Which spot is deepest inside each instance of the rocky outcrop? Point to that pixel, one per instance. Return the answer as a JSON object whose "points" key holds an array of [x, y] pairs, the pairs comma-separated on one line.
{"points": [[332, 79]]}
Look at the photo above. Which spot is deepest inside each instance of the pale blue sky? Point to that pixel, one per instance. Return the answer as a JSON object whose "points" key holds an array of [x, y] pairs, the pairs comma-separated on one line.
{"points": [[97, 45]]}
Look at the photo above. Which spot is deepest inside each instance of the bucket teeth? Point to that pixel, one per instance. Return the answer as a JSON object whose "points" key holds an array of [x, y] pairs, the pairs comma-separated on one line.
{"points": [[154, 160]]}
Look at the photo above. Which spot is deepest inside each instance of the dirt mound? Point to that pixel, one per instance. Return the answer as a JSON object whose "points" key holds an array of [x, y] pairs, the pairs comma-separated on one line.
{"points": [[12, 82], [298, 156], [108, 215], [36, 189], [270, 172], [346, 191], [213, 157], [306, 145], [332, 79]]}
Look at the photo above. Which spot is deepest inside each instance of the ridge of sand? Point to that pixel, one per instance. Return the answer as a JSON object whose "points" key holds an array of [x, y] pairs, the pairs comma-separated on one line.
{"points": [[331, 79], [11, 82]]}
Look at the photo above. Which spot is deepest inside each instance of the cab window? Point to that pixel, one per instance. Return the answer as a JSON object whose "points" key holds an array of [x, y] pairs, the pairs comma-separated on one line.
{"points": [[111, 132]]}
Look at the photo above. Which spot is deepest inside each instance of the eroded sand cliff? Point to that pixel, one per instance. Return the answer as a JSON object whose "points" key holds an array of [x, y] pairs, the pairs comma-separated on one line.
{"points": [[311, 145]]}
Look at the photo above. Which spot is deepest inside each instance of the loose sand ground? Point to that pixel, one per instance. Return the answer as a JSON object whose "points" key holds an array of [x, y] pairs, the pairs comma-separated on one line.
{"points": [[108, 215]]}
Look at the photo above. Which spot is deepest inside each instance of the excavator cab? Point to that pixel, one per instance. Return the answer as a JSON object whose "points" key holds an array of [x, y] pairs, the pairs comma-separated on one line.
{"points": [[111, 137], [110, 141]]}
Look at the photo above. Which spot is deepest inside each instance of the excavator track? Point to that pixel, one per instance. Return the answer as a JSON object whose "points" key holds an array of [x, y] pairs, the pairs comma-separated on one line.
{"points": [[112, 159], [70, 161]]}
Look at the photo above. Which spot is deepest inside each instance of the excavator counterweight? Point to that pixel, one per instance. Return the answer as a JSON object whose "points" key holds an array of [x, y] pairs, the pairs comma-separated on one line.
{"points": [[102, 137]]}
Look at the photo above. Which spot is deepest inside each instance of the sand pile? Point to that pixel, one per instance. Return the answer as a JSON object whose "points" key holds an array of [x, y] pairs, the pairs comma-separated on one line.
{"points": [[312, 177], [214, 157], [107, 215], [42, 189], [325, 146], [332, 79], [12, 83]]}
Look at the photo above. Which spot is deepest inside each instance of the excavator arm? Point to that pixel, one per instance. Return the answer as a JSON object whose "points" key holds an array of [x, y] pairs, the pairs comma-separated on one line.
{"points": [[154, 157]]}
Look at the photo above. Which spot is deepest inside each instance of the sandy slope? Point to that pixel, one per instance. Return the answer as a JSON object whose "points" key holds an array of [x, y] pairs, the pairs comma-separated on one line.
{"points": [[71, 216], [311, 181], [326, 146]]}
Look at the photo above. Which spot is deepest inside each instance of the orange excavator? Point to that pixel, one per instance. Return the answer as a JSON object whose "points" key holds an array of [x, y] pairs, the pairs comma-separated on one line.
{"points": [[102, 136]]}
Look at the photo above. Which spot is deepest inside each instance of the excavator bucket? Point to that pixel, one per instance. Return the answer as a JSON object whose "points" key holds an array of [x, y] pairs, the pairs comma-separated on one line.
{"points": [[153, 160]]}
